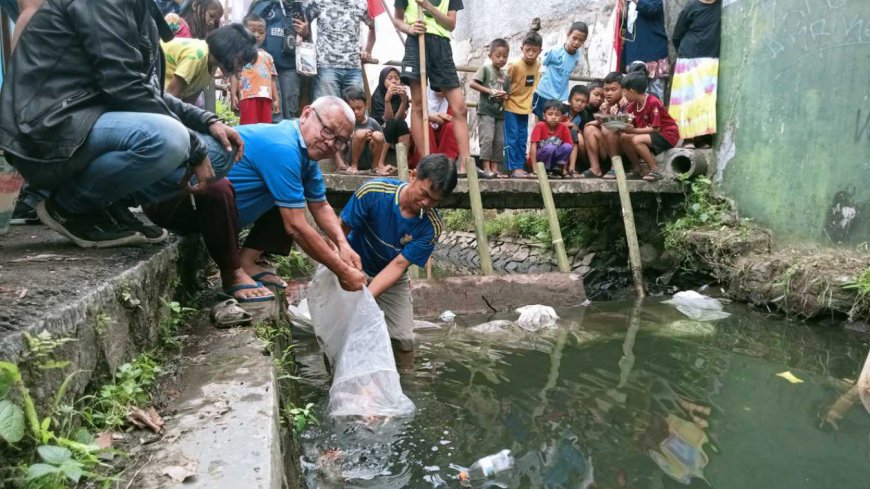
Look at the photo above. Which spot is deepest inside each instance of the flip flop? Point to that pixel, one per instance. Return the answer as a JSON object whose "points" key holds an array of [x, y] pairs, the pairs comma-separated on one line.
{"points": [[235, 288], [228, 313], [589, 174], [259, 278], [520, 174], [350, 171], [653, 176], [610, 175]]}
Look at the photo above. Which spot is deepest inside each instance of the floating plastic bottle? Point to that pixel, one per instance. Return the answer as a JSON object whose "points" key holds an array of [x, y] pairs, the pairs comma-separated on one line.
{"points": [[488, 466]]}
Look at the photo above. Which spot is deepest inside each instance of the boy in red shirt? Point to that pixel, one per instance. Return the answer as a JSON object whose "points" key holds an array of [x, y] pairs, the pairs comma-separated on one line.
{"points": [[551, 140], [654, 129]]}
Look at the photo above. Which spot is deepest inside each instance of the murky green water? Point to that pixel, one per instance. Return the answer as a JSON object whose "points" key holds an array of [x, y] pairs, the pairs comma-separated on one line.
{"points": [[624, 396]]}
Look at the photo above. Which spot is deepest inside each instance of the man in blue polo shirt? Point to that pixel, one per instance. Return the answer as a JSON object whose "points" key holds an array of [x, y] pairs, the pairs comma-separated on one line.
{"points": [[392, 225]]}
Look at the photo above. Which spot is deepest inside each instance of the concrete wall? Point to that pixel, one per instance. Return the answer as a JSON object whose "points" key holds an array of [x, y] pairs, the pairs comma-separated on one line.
{"points": [[794, 116]]}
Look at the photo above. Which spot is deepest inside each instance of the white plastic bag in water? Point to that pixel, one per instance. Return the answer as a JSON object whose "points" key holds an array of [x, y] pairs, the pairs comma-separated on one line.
{"points": [[864, 384], [533, 318], [300, 316], [352, 332], [697, 306]]}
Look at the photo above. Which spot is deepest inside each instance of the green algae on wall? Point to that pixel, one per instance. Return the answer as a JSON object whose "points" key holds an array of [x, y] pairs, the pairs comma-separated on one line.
{"points": [[794, 116]]}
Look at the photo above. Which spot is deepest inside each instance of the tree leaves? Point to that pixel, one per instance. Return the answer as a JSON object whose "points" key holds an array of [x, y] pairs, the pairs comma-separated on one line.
{"points": [[54, 455], [11, 422]]}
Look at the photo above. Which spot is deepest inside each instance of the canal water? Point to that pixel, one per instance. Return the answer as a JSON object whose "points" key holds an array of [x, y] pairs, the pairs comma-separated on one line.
{"points": [[617, 395]]}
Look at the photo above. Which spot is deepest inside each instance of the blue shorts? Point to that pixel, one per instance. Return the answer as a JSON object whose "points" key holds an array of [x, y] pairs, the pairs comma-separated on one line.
{"points": [[538, 103]]}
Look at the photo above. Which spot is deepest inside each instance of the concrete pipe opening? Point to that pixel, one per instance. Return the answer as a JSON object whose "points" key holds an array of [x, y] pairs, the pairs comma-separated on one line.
{"points": [[682, 165]]}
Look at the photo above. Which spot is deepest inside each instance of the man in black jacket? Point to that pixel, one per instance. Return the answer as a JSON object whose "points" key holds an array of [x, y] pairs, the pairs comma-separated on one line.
{"points": [[83, 115]]}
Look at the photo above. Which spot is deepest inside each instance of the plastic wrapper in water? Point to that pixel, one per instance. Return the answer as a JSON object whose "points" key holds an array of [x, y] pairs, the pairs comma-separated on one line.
{"points": [[425, 325], [300, 316], [350, 328], [698, 306], [497, 326], [535, 317], [447, 316]]}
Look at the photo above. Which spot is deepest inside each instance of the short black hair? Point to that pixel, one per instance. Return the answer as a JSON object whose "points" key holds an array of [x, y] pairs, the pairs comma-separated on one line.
{"points": [[440, 171], [579, 26], [533, 39], [613, 77], [552, 104], [595, 84], [354, 92], [252, 17], [635, 81], [637, 66], [233, 47], [498, 43], [581, 89]]}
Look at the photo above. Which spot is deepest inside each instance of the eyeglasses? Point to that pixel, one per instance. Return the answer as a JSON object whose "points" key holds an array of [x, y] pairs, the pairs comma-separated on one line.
{"points": [[328, 133]]}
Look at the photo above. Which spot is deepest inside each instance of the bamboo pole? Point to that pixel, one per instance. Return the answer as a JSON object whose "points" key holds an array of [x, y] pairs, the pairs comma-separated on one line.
{"points": [[628, 221], [404, 175], [424, 83], [550, 207], [473, 69], [477, 213]]}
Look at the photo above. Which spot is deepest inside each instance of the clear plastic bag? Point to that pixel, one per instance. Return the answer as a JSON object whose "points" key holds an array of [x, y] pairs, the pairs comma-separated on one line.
{"points": [[535, 317], [864, 384], [698, 306], [306, 59], [351, 329]]}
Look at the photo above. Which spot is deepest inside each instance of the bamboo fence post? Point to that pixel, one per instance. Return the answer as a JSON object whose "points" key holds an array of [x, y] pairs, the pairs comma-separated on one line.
{"points": [[628, 221], [553, 218], [424, 83], [477, 213], [404, 174]]}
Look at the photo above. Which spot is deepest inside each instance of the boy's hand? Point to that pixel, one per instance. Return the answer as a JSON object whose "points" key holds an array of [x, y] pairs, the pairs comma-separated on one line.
{"points": [[417, 28], [234, 102], [276, 106], [424, 5], [447, 117], [301, 27]]}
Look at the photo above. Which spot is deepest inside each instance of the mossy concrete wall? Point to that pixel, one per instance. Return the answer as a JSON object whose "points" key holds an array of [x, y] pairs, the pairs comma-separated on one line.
{"points": [[794, 116]]}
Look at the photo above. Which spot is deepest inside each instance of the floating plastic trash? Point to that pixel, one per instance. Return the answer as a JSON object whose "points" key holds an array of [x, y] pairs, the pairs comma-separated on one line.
{"points": [[488, 466], [698, 306], [425, 325], [864, 384], [497, 326], [535, 317], [447, 316], [300, 316], [790, 377]]}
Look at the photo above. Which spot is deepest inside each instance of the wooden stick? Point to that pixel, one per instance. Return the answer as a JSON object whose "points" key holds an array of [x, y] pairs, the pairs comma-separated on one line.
{"points": [[393, 21], [477, 213], [424, 83], [628, 221], [473, 69], [553, 218], [404, 174], [366, 87]]}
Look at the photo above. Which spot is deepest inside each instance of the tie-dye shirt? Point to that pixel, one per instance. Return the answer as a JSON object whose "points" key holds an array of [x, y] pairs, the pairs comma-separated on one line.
{"points": [[256, 79]]}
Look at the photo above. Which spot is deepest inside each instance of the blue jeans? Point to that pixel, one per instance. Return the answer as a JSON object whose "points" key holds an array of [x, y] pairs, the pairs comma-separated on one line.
{"points": [[128, 154], [290, 85], [333, 81], [516, 132]]}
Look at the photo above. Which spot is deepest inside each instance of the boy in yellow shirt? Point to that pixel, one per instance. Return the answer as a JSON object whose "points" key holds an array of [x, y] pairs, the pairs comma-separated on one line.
{"points": [[523, 76]]}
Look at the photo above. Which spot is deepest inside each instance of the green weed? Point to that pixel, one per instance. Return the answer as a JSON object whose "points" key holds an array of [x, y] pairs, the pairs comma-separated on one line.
{"points": [[128, 300], [107, 409], [701, 209], [294, 265], [301, 417], [226, 114], [861, 284], [101, 322], [40, 350], [578, 226], [167, 329]]}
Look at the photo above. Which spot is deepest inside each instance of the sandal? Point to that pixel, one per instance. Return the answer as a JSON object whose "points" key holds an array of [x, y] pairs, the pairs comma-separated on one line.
{"points": [[589, 174], [610, 175], [520, 174], [653, 176], [572, 174], [387, 171], [351, 171], [269, 283], [228, 313], [231, 291]]}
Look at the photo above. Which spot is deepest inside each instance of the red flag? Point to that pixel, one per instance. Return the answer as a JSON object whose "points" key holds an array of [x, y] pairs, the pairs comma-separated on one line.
{"points": [[376, 7]]}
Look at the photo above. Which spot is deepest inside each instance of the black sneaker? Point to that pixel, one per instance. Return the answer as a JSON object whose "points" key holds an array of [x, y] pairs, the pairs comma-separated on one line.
{"points": [[125, 218], [88, 230], [24, 214]]}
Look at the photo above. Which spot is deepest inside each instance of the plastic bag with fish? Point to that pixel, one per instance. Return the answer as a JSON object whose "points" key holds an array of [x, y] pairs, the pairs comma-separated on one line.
{"points": [[351, 329]]}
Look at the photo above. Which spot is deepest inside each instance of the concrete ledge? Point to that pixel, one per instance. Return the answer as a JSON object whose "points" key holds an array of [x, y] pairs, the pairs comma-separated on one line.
{"points": [[49, 284], [479, 295], [524, 194], [225, 420]]}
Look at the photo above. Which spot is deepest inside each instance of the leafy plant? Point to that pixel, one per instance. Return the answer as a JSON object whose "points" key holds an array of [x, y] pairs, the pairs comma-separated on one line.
{"points": [[294, 265], [226, 114], [40, 350], [129, 387], [702, 208], [57, 461], [125, 295], [861, 284], [101, 322], [167, 329], [301, 417]]}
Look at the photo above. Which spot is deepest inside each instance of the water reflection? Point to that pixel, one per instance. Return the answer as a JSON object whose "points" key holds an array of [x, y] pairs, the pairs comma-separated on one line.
{"points": [[653, 399]]}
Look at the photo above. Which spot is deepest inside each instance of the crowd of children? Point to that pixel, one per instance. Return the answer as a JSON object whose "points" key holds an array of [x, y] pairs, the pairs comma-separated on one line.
{"points": [[568, 134]]}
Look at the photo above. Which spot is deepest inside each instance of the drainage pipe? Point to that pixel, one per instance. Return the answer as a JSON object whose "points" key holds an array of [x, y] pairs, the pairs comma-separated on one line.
{"points": [[684, 163]]}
